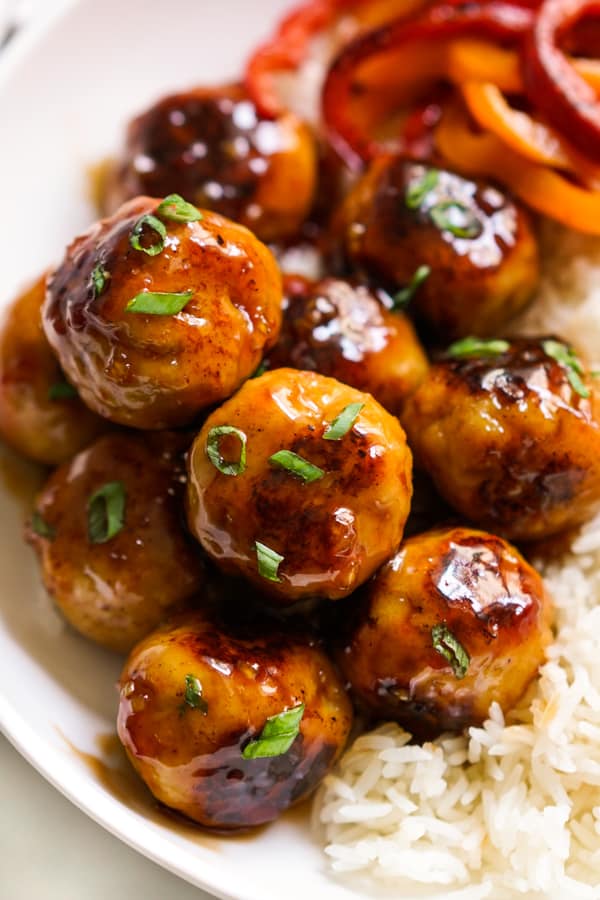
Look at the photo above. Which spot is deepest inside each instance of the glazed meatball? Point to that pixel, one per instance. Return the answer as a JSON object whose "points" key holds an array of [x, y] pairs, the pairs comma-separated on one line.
{"points": [[211, 146], [510, 435], [478, 244], [455, 621], [231, 724], [41, 415], [301, 484], [161, 311], [108, 530], [342, 329]]}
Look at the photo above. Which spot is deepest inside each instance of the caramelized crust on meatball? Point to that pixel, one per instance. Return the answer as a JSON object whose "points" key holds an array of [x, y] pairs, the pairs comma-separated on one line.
{"points": [[41, 415], [342, 329], [195, 695], [477, 242], [117, 563], [211, 146], [160, 369], [511, 439], [455, 621], [318, 527]]}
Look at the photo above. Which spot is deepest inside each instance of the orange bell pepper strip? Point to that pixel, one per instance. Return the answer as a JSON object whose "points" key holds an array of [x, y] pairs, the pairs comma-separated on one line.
{"points": [[538, 186], [521, 132], [476, 60]]}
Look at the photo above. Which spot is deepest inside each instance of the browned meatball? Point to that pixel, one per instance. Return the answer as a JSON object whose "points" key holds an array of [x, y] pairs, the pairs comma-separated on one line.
{"points": [[41, 415], [455, 621], [161, 311], [211, 146], [510, 435], [301, 484], [199, 698], [111, 539], [478, 244], [342, 329]]}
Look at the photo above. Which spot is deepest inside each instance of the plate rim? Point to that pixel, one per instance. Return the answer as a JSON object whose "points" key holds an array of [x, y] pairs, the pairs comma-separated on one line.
{"points": [[128, 826]]}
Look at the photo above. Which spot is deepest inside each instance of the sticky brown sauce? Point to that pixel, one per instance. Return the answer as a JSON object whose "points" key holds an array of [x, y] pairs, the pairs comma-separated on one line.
{"points": [[111, 768]]}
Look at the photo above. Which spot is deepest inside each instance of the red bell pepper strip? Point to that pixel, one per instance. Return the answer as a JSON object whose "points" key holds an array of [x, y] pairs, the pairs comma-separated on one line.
{"points": [[354, 145], [287, 49], [559, 92]]}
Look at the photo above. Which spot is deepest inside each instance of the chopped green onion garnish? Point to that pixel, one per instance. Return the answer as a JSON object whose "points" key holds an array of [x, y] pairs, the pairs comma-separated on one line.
{"points": [[156, 303], [106, 512], [418, 190], [268, 561], [472, 346], [567, 358], [193, 696], [452, 650], [213, 450], [277, 736], [455, 217], [61, 390], [342, 423], [177, 209], [297, 465], [100, 276], [403, 297], [153, 224], [41, 527]]}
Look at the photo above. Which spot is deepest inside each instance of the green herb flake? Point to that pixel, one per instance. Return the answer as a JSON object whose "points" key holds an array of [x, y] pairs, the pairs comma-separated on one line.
{"points": [[418, 189], [61, 390], [145, 224], [156, 303], [277, 736], [567, 358], [106, 512], [100, 276], [177, 209], [41, 527], [268, 562], [403, 297], [455, 217], [213, 450], [261, 369], [296, 465], [193, 696], [343, 422], [472, 347], [451, 649]]}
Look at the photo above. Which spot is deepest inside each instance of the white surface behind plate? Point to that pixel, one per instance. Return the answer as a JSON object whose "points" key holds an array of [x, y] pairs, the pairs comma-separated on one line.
{"points": [[64, 97]]}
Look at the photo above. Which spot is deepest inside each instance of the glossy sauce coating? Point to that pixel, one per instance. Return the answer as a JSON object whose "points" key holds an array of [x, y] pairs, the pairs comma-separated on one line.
{"points": [[332, 532], [508, 441], [211, 146], [158, 371], [192, 759], [480, 276], [34, 420], [490, 600], [342, 329], [116, 592]]}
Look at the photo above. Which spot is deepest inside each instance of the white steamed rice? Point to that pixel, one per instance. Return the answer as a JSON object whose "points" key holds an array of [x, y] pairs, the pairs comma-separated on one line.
{"points": [[512, 808]]}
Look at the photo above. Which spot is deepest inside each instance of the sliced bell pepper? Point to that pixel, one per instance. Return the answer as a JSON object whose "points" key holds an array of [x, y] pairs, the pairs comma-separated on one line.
{"points": [[354, 80], [287, 49], [527, 136], [538, 186], [551, 81]]}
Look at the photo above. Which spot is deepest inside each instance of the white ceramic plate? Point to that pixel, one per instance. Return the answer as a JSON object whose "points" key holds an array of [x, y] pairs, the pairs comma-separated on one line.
{"points": [[66, 91]]}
